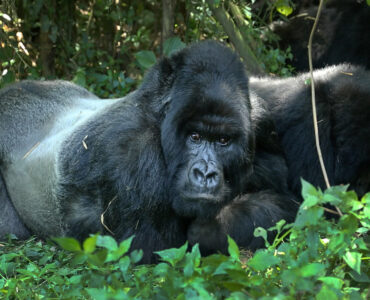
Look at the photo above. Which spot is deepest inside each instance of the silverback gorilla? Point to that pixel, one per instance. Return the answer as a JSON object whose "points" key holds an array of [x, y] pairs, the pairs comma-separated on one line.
{"points": [[175, 152]]}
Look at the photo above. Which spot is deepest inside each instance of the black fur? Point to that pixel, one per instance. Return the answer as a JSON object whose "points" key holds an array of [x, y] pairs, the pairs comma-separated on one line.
{"points": [[343, 104], [342, 35], [70, 160]]}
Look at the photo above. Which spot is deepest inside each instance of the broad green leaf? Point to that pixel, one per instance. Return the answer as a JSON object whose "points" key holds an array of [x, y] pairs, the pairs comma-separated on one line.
{"points": [[326, 294], [172, 45], [192, 261], [310, 194], [97, 259], [107, 242], [89, 245], [173, 255], [334, 282], [262, 260], [284, 10], [146, 59], [353, 259], [312, 269], [284, 7], [124, 264], [161, 269], [69, 244], [238, 296], [98, 294], [136, 256], [308, 217], [233, 248]]}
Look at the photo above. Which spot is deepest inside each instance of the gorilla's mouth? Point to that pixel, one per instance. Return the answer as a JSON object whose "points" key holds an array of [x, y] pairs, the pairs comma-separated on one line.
{"points": [[201, 197], [192, 204]]}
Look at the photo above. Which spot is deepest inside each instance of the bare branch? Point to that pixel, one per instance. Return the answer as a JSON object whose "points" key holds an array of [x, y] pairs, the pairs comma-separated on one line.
{"points": [[313, 99]]}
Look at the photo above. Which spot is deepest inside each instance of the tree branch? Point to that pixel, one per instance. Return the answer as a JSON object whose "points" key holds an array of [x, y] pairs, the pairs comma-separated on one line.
{"points": [[313, 100], [251, 62]]}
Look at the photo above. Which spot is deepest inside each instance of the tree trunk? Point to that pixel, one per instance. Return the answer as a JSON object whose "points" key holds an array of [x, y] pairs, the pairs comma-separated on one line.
{"points": [[168, 19]]}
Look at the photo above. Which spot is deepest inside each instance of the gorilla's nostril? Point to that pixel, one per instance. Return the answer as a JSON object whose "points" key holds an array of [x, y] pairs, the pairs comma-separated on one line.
{"points": [[212, 178], [198, 175]]}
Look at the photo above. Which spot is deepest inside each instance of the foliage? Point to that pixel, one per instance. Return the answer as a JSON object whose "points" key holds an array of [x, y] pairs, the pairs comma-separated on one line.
{"points": [[314, 257], [106, 45]]}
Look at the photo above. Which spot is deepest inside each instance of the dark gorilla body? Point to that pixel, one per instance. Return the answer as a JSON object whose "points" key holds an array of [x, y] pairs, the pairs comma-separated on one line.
{"points": [[343, 105], [178, 151]]}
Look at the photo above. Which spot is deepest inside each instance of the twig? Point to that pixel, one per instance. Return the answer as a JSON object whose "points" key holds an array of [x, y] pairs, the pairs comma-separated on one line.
{"points": [[313, 99], [102, 216]]}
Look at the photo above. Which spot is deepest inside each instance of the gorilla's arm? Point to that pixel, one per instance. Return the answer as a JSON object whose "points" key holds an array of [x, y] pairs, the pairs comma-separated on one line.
{"points": [[9, 219], [239, 220]]}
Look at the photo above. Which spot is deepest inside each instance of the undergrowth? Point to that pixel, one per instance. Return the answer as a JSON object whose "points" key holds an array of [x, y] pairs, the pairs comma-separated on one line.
{"points": [[313, 258]]}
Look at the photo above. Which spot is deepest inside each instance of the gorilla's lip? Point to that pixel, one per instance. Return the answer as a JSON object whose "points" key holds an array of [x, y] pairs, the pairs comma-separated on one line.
{"points": [[203, 197]]}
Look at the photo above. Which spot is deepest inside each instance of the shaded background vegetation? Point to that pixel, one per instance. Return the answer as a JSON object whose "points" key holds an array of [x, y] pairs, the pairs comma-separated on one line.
{"points": [[105, 45]]}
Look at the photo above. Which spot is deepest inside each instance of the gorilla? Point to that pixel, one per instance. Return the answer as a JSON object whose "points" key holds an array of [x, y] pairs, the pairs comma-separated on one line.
{"points": [[343, 105], [186, 147], [343, 108], [335, 41]]}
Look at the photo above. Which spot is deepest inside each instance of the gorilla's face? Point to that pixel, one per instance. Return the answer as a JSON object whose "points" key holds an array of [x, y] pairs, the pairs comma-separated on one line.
{"points": [[209, 144]]}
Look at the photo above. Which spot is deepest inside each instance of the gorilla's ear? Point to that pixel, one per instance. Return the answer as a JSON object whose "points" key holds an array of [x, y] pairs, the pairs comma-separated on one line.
{"points": [[159, 80]]}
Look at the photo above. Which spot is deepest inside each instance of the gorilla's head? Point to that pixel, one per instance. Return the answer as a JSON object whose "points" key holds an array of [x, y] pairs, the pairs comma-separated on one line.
{"points": [[206, 131]]}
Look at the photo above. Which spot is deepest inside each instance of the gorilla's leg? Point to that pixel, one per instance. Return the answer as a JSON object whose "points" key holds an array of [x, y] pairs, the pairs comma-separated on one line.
{"points": [[9, 219]]}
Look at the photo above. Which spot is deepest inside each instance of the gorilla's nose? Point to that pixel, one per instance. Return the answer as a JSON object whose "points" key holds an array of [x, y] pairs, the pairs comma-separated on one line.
{"points": [[205, 175]]}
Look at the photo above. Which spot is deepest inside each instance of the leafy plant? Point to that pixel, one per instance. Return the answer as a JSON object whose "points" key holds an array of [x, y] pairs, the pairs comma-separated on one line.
{"points": [[313, 258]]}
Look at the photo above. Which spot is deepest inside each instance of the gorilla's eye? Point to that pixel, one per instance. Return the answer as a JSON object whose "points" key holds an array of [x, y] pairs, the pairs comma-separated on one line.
{"points": [[195, 137], [224, 141]]}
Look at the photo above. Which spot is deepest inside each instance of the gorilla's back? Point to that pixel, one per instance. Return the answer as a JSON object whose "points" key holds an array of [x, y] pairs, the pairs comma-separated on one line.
{"points": [[36, 117]]}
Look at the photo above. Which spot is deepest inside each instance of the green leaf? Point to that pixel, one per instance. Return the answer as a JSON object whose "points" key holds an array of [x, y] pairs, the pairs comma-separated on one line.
{"points": [[161, 269], [233, 248], [368, 2], [173, 255], [325, 294], [116, 252], [261, 232], [308, 217], [136, 256], [107, 242], [192, 261], [312, 269], [98, 294], [146, 59], [69, 244], [238, 296], [283, 7], [172, 45], [353, 259], [124, 264], [334, 282], [89, 245], [262, 260], [97, 259], [309, 194]]}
